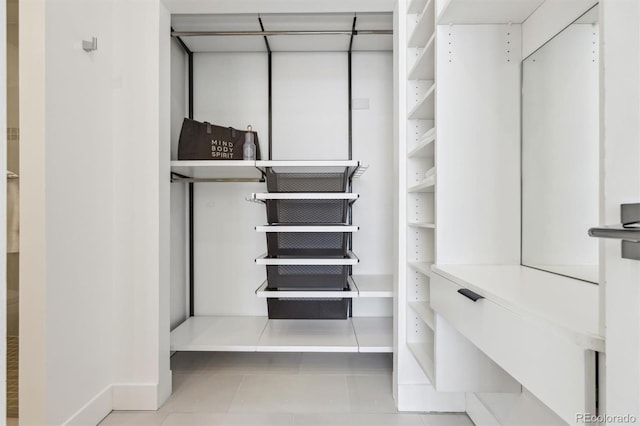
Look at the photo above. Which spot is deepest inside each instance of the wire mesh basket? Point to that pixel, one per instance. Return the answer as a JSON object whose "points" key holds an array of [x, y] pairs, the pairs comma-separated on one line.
{"points": [[307, 277], [286, 308], [291, 181], [308, 244], [307, 211]]}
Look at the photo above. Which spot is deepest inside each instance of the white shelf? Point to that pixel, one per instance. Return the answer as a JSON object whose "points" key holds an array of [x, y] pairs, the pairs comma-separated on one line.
{"points": [[263, 292], [350, 259], [424, 28], [233, 333], [251, 334], [425, 147], [423, 225], [308, 229], [424, 356], [422, 267], [304, 196], [425, 108], [424, 312], [309, 166], [487, 11], [374, 285], [308, 336], [216, 169], [374, 334], [416, 6], [424, 68], [427, 185]]}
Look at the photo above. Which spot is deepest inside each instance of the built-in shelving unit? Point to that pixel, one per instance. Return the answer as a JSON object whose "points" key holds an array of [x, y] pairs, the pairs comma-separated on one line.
{"points": [[421, 186]]}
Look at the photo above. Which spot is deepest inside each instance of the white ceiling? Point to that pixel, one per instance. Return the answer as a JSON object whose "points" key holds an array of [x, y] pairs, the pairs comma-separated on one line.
{"points": [[285, 22]]}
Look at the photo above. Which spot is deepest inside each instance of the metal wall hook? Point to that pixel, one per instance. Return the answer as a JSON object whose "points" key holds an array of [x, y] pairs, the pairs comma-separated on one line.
{"points": [[90, 46]]}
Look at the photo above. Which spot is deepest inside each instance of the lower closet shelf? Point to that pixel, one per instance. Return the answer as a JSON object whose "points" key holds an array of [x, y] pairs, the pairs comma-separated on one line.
{"points": [[251, 334]]}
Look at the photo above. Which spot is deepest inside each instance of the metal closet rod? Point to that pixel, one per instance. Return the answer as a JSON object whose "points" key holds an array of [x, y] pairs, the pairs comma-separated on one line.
{"points": [[276, 33]]}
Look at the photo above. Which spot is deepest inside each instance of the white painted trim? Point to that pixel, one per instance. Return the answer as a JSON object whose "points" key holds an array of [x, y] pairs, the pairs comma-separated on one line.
{"points": [[480, 413], [135, 396], [426, 398], [93, 411]]}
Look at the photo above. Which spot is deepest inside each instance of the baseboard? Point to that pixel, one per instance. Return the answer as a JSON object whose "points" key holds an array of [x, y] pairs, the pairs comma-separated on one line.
{"points": [[93, 411], [426, 398], [479, 413], [135, 396]]}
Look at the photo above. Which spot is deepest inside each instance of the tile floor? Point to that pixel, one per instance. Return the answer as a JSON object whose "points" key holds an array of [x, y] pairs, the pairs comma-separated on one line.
{"points": [[263, 389]]}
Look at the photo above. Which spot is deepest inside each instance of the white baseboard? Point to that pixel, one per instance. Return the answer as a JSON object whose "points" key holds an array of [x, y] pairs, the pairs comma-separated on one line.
{"points": [[480, 413], [425, 398], [135, 396], [93, 411]]}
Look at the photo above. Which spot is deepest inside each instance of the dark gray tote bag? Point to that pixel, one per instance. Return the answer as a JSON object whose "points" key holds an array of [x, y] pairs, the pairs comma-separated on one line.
{"points": [[206, 141]]}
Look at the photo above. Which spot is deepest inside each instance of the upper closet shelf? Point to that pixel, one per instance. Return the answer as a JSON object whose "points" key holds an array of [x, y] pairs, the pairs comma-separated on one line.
{"points": [[487, 11], [424, 68], [284, 32], [214, 170], [424, 27]]}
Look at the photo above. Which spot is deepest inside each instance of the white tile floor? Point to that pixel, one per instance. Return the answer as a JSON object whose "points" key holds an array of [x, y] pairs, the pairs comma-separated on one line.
{"points": [[262, 389]]}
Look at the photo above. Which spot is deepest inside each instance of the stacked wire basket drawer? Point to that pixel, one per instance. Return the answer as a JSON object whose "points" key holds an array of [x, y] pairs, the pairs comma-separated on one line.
{"points": [[309, 232]]}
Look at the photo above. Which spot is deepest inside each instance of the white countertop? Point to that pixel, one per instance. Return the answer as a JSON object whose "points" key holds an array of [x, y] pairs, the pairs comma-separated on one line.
{"points": [[571, 306]]}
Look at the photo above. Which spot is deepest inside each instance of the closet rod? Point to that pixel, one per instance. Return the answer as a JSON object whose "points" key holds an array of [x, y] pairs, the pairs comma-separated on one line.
{"points": [[276, 33]]}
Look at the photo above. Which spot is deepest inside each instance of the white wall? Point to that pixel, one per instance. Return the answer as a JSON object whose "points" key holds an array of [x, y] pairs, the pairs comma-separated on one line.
{"points": [[94, 263], [310, 106], [478, 158], [142, 207], [67, 210]]}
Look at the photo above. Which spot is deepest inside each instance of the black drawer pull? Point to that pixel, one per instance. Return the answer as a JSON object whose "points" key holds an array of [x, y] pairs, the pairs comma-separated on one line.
{"points": [[470, 294]]}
